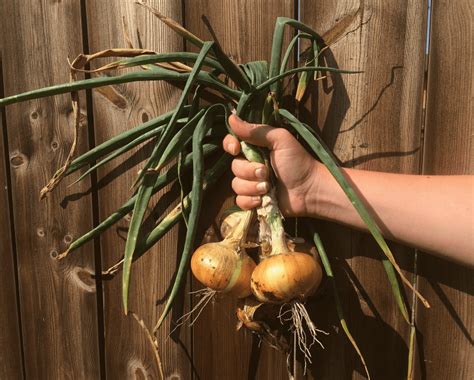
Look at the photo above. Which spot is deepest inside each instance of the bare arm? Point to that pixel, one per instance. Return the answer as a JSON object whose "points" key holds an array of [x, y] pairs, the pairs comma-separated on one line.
{"points": [[432, 213]]}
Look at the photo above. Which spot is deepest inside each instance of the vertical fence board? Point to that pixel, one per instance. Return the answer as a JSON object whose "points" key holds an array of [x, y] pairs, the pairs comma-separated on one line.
{"points": [[244, 29], [115, 110], [372, 121], [10, 338], [57, 299], [446, 330]]}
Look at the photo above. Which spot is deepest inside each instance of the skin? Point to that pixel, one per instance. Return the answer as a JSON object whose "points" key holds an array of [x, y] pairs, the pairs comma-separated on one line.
{"points": [[432, 213]]}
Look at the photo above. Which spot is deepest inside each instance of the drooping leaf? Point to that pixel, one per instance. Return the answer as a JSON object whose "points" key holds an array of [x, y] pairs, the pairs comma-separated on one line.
{"points": [[158, 73], [163, 180], [170, 129], [203, 126], [117, 141], [289, 49], [176, 26], [146, 188], [211, 177], [179, 140], [327, 159], [277, 46], [342, 320]]}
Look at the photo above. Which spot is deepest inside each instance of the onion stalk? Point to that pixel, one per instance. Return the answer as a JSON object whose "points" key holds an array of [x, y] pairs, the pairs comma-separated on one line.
{"points": [[284, 276]]}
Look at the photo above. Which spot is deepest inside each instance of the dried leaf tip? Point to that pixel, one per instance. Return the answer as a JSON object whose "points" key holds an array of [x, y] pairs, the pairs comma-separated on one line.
{"points": [[177, 27]]}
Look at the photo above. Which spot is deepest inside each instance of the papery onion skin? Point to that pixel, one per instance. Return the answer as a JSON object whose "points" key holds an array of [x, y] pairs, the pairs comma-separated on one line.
{"points": [[285, 277], [231, 220], [219, 267]]}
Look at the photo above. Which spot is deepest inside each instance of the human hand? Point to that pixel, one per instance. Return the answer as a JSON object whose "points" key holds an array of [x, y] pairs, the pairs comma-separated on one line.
{"points": [[295, 169]]}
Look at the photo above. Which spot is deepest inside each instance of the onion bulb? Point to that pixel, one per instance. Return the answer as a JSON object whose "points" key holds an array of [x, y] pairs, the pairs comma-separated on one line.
{"points": [[225, 266], [285, 277]]}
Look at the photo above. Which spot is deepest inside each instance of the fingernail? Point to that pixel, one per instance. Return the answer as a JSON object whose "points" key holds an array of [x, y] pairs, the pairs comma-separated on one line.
{"points": [[232, 148], [261, 173], [256, 198], [262, 186]]}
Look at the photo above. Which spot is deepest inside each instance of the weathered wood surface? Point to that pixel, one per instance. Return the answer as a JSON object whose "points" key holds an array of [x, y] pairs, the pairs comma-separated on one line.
{"points": [[10, 340], [244, 30], [372, 121], [56, 299], [447, 330], [119, 108]]}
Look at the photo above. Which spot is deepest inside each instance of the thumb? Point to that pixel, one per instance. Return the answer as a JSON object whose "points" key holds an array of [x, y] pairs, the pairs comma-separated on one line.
{"points": [[258, 134]]}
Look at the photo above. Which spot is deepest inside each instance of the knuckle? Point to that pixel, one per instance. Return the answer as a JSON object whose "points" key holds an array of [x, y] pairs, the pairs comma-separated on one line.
{"points": [[282, 133]]}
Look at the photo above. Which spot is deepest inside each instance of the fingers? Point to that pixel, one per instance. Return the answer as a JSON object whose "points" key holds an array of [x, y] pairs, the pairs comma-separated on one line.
{"points": [[248, 202], [231, 145], [251, 171], [250, 183], [251, 188], [259, 134]]}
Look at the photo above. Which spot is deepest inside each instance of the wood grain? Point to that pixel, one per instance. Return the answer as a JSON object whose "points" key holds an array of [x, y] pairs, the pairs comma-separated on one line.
{"points": [[57, 299], [446, 331], [116, 110], [244, 30], [11, 362], [372, 121]]}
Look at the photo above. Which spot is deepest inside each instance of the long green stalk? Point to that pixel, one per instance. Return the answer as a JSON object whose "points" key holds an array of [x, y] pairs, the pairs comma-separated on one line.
{"points": [[196, 201], [179, 140], [163, 180], [390, 265], [118, 152], [184, 57], [146, 188], [277, 46], [248, 98], [158, 73], [211, 177], [342, 320], [289, 49]]}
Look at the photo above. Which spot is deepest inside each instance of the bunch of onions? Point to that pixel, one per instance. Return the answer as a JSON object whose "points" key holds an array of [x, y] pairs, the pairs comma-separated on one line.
{"points": [[224, 266]]}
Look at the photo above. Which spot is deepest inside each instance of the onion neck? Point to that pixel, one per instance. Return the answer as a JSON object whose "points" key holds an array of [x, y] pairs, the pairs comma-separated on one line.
{"points": [[238, 236], [270, 214], [270, 217]]}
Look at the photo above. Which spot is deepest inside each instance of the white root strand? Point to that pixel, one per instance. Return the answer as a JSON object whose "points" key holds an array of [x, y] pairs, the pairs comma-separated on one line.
{"points": [[206, 295], [298, 316]]}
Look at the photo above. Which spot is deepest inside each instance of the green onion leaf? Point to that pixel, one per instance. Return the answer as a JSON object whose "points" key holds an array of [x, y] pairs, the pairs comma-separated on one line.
{"points": [[340, 313], [327, 159], [146, 189], [201, 130]]}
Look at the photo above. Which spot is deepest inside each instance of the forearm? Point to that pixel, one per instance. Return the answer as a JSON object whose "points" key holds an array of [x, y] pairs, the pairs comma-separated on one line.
{"points": [[433, 213]]}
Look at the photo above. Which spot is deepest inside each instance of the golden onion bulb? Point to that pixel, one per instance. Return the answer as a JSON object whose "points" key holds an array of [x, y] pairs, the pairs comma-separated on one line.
{"points": [[220, 267], [284, 277]]}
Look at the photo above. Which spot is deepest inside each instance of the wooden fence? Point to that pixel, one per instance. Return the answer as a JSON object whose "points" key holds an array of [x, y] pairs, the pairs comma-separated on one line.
{"points": [[59, 323]]}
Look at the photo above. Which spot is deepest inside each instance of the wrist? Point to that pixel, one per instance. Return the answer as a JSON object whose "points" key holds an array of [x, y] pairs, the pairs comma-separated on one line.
{"points": [[321, 197]]}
